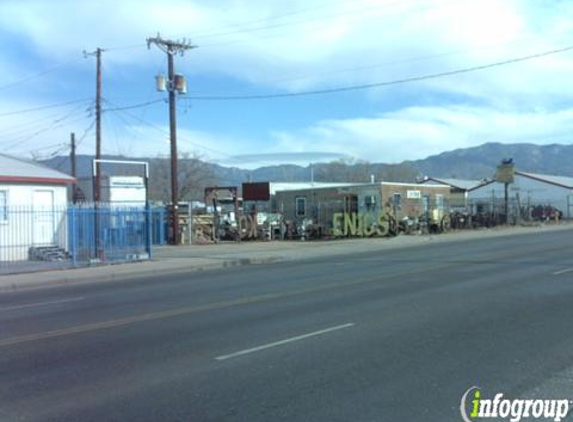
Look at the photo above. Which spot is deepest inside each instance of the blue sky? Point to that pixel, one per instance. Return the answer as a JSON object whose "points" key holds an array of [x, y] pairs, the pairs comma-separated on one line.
{"points": [[270, 47]]}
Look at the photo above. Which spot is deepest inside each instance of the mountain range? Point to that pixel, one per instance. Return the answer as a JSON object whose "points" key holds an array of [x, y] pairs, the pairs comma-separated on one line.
{"points": [[469, 163]]}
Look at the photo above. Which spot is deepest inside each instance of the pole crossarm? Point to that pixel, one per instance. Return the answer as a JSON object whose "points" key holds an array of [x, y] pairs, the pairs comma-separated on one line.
{"points": [[170, 46]]}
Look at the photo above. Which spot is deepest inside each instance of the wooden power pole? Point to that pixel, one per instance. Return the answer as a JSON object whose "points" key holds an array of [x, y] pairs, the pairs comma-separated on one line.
{"points": [[173, 86], [97, 181], [97, 192], [73, 165], [97, 176]]}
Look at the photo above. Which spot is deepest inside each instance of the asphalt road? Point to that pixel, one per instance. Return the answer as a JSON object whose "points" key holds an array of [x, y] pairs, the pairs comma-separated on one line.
{"points": [[393, 336]]}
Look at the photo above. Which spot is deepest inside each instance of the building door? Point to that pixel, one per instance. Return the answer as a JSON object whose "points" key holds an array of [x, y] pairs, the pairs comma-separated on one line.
{"points": [[426, 206], [351, 204], [43, 218]]}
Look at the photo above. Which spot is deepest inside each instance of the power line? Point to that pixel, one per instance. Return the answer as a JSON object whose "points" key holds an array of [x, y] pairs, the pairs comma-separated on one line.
{"points": [[379, 84], [130, 107], [267, 19], [165, 132], [402, 61], [36, 130], [45, 107], [33, 124], [26, 138], [359, 11], [64, 147], [214, 34], [86, 133], [134, 134], [35, 76]]}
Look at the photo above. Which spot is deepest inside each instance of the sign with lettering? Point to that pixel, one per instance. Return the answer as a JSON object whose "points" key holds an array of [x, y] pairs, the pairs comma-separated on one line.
{"points": [[127, 190], [360, 224], [505, 173], [413, 194]]}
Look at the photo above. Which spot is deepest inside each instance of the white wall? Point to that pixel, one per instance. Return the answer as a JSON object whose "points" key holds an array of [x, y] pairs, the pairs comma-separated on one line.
{"points": [[530, 191], [27, 224]]}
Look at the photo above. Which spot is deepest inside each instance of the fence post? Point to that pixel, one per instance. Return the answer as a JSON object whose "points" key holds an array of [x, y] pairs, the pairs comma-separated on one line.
{"points": [[74, 234], [162, 226], [149, 234]]}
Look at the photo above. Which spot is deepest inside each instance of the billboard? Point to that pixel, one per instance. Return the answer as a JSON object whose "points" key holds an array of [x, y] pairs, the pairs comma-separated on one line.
{"points": [[256, 191], [505, 173]]}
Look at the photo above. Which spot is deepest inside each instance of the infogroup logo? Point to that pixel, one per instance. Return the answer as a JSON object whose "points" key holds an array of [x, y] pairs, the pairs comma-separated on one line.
{"points": [[474, 407]]}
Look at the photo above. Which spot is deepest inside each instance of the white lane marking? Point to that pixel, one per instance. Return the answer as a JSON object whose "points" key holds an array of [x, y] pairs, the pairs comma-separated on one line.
{"points": [[285, 341], [37, 304], [567, 270]]}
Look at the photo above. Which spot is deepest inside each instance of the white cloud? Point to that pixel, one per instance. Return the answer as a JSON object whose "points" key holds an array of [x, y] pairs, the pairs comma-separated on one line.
{"points": [[417, 132], [347, 42], [302, 45]]}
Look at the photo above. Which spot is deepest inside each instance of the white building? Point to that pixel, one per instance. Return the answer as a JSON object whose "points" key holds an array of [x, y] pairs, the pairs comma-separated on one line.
{"points": [[528, 189], [33, 204]]}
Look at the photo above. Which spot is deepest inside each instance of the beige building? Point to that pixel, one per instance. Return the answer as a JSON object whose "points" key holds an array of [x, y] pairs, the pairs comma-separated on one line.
{"points": [[322, 206]]}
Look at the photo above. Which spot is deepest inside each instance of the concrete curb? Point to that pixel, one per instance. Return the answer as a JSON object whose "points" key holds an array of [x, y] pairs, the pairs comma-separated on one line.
{"points": [[62, 277], [190, 264]]}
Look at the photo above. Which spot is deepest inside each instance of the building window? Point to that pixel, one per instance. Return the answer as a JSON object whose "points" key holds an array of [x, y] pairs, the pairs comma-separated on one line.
{"points": [[300, 207], [439, 201], [370, 202], [397, 201], [3, 205], [426, 203]]}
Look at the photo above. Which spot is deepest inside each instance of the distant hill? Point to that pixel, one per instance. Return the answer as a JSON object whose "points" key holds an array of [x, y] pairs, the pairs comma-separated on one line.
{"points": [[481, 161], [469, 163]]}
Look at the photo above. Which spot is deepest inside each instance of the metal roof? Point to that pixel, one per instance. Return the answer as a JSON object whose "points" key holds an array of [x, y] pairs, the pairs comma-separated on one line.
{"points": [[14, 169], [457, 183], [290, 186], [413, 185], [563, 181], [345, 186]]}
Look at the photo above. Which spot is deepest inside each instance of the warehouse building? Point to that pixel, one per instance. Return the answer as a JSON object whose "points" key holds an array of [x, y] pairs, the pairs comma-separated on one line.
{"points": [[527, 192]]}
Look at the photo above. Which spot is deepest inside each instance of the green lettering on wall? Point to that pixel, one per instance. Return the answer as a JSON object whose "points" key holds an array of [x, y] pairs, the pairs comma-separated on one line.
{"points": [[336, 223], [360, 224], [350, 224]]}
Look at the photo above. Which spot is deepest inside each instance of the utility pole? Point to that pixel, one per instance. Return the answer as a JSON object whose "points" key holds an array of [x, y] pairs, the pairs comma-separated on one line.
{"points": [[97, 192], [73, 165], [97, 181], [175, 84]]}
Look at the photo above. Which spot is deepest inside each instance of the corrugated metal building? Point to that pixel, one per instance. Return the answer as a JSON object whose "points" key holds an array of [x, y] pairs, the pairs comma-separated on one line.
{"points": [[527, 190]]}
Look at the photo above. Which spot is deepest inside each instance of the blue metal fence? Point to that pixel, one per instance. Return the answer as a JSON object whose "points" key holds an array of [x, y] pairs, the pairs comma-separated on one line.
{"points": [[35, 238], [109, 234], [158, 226]]}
